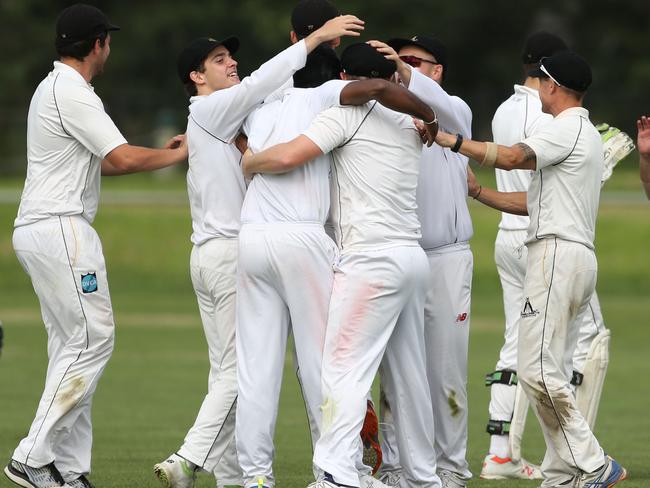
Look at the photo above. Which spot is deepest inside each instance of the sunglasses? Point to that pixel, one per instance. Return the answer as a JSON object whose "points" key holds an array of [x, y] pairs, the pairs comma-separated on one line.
{"points": [[415, 61]]}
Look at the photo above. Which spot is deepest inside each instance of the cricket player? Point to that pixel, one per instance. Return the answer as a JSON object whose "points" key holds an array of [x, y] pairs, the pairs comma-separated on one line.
{"points": [[287, 259], [643, 143], [566, 156], [379, 280], [446, 231], [219, 103], [71, 141]]}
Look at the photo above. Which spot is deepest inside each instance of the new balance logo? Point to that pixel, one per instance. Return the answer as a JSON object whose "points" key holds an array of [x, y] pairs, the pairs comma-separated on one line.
{"points": [[528, 309]]}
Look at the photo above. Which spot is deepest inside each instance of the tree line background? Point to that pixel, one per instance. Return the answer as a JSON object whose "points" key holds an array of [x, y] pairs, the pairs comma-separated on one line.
{"points": [[142, 93]]}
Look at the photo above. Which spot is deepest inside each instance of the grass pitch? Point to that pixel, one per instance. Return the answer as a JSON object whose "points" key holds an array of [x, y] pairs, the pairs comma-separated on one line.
{"points": [[153, 386]]}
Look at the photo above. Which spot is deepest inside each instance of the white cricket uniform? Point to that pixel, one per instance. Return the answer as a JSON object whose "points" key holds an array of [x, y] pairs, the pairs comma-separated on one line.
{"points": [[560, 278], [379, 290], [216, 191], [446, 231], [68, 136], [285, 277], [517, 118]]}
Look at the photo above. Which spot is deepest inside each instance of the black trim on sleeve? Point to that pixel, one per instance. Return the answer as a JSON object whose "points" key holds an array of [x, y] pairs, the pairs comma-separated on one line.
{"points": [[56, 104], [206, 130], [574, 145], [360, 124]]}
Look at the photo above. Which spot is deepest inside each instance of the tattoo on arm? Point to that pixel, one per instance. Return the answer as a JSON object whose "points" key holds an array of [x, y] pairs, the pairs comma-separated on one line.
{"points": [[529, 154]]}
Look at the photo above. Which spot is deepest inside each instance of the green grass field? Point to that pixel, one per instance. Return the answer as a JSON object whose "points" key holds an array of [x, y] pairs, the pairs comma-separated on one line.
{"points": [[153, 386]]}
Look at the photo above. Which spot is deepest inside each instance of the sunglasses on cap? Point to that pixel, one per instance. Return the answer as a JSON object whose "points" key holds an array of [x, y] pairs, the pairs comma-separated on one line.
{"points": [[415, 61], [549, 74]]}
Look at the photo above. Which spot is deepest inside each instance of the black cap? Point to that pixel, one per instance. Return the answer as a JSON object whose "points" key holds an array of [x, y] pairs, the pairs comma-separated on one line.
{"points": [[429, 43], [540, 45], [566, 68], [362, 59], [310, 15], [80, 22], [196, 51]]}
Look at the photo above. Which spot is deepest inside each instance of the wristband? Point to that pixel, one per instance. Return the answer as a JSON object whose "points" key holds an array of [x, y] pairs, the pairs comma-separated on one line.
{"points": [[480, 188], [459, 141], [490, 154], [434, 121]]}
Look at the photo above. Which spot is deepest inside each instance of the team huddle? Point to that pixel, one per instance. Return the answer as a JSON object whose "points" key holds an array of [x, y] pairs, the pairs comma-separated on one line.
{"points": [[328, 198]]}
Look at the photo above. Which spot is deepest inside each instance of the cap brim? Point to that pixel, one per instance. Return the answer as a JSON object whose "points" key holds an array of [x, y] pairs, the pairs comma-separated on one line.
{"points": [[112, 27], [230, 43], [398, 43]]}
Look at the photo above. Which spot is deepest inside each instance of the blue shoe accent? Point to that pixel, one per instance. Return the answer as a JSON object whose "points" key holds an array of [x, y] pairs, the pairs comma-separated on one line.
{"points": [[611, 474]]}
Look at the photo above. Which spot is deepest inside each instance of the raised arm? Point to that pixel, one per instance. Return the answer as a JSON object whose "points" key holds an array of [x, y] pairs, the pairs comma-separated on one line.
{"points": [[643, 144], [392, 96], [519, 156], [280, 158]]}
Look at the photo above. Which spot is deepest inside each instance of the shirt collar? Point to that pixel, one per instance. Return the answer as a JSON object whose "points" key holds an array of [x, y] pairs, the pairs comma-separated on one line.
{"points": [[574, 111], [70, 71]]}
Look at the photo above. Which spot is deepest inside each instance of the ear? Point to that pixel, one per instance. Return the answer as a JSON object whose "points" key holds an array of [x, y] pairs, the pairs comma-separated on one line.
{"points": [[197, 77], [294, 37], [343, 75]]}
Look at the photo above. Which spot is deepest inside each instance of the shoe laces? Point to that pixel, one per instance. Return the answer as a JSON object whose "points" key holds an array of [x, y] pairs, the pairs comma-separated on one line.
{"points": [[45, 477]]}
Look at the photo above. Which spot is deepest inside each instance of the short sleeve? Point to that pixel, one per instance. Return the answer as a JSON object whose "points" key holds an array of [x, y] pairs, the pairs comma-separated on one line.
{"points": [[330, 129], [329, 93], [84, 118], [555, 141]]}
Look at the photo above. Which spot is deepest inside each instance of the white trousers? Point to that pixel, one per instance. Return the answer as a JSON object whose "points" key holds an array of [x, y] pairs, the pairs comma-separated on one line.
{"points": [[284, 281], [446, 330], [377, 306], [63, 257], [560, 279], [210, 441], [510, 255]]}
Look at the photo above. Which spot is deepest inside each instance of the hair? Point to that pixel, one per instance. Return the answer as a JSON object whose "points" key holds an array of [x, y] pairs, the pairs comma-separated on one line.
{"points": [[190, 86], [80, 49], [322, 65]]}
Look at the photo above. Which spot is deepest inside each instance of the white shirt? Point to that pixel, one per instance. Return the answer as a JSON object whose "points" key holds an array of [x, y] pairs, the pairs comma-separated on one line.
{"points": [[303, 194], [520, 116], [376, 159], [215, 183], [442, 187], [68, 136], [564, 193]]}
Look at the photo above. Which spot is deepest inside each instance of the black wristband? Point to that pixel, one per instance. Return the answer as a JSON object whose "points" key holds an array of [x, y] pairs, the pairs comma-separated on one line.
{"points": [[459, 142]]}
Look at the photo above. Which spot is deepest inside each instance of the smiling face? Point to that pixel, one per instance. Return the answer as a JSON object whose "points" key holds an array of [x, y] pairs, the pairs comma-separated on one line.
{"points": [[219, 71]]}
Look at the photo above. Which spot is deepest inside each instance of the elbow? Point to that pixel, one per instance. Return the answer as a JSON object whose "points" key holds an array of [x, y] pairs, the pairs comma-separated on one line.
{"points": [[377, 88]]}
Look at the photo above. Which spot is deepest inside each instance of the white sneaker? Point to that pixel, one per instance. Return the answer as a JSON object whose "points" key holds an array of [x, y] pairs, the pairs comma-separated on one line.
{"points": [[322, 483], [451, 480], [390, 478], [368, 481], [176, 472], [496, 468], [26, 476], [610, 474], [81, 482]]}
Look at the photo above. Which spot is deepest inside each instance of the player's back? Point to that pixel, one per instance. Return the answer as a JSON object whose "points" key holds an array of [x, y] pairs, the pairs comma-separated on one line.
{"points": [[300, 195], [516, 118], [376, 160]]}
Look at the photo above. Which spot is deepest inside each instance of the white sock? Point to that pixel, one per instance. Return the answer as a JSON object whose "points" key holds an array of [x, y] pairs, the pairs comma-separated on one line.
{"points": [[499, 446]]}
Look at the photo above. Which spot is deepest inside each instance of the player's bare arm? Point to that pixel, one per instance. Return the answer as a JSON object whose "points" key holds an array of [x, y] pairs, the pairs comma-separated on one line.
{"points": [[281, 158], [509, 202], [343, 25], [127, 159], [519, 156], [394, 97], [643, 144]]}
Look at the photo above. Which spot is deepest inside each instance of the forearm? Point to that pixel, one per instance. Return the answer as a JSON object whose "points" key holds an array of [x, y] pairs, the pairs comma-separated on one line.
{"points": [[518, 156], [644, 168], [509, 202], [270, 160], [127, 159]]}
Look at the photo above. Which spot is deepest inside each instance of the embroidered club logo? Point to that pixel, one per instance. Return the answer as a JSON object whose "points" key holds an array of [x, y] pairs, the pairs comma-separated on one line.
{"points": [[89, 282], [462, 317], [528, 310]]}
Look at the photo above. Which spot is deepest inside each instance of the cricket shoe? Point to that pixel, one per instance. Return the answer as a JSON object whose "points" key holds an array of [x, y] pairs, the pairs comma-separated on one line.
{"points": [[46, 477], [497, 468], [176, 472], [606, 477], [370, 437], [259, 482], [451, 480], [391, 478], [81, 482]]}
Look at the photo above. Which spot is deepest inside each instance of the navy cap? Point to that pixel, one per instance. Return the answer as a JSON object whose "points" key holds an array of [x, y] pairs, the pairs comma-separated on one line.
{"points": [[567, 69], [430, 44], [310, 15], [362, 59], [196, 51], [540, 45], [80, 22]]}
